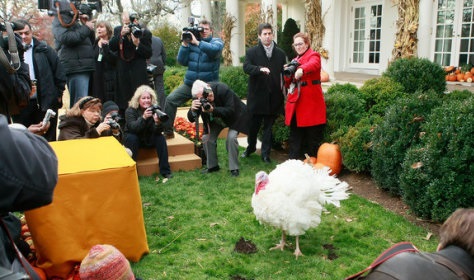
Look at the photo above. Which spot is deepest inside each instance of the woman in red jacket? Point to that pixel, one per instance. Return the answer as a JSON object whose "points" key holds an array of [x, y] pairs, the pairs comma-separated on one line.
{"points": [[305, 110]]}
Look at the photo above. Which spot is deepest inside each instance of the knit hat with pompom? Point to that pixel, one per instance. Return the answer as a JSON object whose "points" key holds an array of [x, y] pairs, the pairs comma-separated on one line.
{"points": [[105, 262]]}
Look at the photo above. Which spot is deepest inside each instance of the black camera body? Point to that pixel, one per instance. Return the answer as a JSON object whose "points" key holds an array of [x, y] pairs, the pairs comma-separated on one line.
{"points": [[206, 105], [136, 30], [84, 7], [162, 116], [192, 28], [114, 121], [290, 69]]}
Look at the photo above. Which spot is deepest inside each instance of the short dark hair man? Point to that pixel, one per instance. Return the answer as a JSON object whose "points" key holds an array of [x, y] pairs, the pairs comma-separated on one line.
{"points": [[264, 65]]}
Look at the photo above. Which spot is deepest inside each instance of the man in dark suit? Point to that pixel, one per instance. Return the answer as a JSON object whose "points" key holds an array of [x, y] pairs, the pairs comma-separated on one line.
{"points": [[133, 46], [264, 65], [219, 109]]}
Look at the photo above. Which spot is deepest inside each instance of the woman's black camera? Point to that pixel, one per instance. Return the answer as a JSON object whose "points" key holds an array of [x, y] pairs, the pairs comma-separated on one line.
{"points": [[157, 110], [290, 68]]}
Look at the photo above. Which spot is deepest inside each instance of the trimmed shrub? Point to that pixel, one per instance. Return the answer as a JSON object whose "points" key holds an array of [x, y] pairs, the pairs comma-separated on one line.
{"points": [[399, 130], [344, 108], [436, 178], [417, 74], [235, 78], [356, 144], [285, 43], [379, 93], [173, 77], [280, 132], [171, 38]]}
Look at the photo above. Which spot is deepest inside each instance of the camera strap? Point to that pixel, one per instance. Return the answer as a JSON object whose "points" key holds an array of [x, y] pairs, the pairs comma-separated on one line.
{"points": [[15, 63], [74, 18]]}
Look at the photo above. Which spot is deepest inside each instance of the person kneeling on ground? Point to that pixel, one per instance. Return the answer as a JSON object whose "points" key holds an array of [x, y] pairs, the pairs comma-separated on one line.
{"points": [[83, 120], [219, 107], [143, 127]]}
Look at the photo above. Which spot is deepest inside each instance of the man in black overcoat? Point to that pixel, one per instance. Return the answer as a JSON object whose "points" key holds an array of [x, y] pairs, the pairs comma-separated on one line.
{"points": [[264, 65]]}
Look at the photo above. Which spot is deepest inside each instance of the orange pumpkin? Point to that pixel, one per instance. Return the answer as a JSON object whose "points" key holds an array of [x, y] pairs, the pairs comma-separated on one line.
{"points": [[460, 77], [310, 160], [472, 70], [449, 69], [467, 75], [324, 76], [452, 78], [329, 154]]}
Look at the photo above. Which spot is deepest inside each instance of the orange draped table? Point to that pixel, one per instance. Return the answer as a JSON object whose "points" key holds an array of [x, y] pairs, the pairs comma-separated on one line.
{"points": [[96, 201]]}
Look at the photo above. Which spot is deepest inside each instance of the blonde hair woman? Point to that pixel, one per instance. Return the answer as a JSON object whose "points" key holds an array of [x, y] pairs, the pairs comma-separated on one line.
{"points": [[143, 127]]}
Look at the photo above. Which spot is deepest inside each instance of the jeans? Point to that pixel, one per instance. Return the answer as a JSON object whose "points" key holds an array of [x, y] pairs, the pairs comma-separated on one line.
{"points": [[78, 86], [175, 99], [132, 141]]}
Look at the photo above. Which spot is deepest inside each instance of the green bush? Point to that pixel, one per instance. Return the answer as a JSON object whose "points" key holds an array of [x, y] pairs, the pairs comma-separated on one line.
{"points": [[171, 38], [356, 144], [379, 93], [399, 130], [344, 108], [173, 77], [437, 175], [417, 74], [280, 132], [286, 40], [235, 78]]}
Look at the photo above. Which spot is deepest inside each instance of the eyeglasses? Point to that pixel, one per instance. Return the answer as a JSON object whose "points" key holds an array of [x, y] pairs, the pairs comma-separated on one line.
{"points": [[298, 45]]}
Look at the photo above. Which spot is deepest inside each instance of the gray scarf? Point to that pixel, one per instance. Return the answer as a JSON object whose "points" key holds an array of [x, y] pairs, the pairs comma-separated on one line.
{"points": [[269, 49]]}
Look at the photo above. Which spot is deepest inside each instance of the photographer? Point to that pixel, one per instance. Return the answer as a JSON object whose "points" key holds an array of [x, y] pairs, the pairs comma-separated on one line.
{"points": [[73, 40], [82, 120], [143, 119], [203, 60], [15, 83], [50, 78], [133, 46], [219, 107], [305, 111]]}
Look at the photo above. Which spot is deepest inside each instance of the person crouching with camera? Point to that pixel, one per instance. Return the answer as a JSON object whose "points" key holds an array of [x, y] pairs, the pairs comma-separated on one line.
{"points": [[219, 107], [305, 109], [82, 120], [143, 127]]}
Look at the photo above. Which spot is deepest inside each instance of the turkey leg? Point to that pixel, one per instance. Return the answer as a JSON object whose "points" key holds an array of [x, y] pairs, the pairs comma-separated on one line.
{"points": [[282, 243]]}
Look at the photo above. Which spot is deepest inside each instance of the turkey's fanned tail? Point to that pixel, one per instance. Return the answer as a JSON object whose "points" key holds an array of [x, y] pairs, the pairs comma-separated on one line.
{"points": [[332, 189]]}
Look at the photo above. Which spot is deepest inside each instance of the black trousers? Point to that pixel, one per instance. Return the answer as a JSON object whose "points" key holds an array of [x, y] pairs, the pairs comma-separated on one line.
{"points": [[304, 140], [32, 114], [254, 127]]}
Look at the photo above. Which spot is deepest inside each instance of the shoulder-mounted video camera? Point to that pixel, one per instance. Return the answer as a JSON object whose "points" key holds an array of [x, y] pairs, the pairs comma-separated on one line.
{"points": [[135, 29], [192, 28], [56, 7]]}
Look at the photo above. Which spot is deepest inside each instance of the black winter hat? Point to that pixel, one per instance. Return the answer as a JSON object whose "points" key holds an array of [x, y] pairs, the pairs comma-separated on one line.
{"points": [[107, 107]]}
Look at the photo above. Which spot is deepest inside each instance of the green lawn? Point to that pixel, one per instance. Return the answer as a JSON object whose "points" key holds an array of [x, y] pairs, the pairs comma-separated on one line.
{"points": [[194, 221]]}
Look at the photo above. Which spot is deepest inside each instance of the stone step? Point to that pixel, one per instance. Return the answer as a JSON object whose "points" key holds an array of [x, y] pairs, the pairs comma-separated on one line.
{"points": [[148, 167]]}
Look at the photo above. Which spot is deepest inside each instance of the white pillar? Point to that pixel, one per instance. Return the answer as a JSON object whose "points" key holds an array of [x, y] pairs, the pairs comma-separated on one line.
{"points": [[232, 7], [184, 12], [328, 11], [425, 24], [270, 4], [241, 32], [206, 9]]}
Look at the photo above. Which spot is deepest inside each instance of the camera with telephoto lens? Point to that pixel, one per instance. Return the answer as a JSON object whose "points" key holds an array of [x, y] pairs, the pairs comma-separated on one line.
{"points": [[162, 116], [194, 29], [135, 29], [85, 7], [206, 105], [290, 68]]}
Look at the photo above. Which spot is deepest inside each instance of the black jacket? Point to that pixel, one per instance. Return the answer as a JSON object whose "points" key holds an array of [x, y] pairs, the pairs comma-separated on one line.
{"points": [[144, 129], [50, 75], [228, 109], [104, 80], [264, 95], [131, 64], [74, 45]]}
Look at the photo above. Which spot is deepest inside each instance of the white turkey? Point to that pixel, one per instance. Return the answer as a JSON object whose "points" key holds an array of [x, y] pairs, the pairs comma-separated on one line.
{"points": [[292, 197]]}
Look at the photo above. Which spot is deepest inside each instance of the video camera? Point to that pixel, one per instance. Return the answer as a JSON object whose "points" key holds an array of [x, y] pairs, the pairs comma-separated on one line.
{"points": [[206, 105], [157, 110], [85, 7], [290, 68], [135, 29], [194, 29]]}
